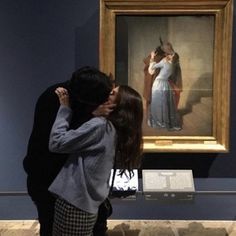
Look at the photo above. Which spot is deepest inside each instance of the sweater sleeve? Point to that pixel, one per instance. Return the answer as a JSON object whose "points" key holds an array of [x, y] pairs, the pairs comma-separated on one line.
{"points": [[153, 66], [63, 140]]}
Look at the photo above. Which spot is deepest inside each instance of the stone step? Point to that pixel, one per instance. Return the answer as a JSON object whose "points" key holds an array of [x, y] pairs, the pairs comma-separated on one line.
{"points": [[198, 122], [136, 228], [203, 112], [207, 101], [200, 119]]}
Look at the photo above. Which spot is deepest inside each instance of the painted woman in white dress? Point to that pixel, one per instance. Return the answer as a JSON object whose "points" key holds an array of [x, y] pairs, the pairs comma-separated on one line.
{"points": [[163, 109]]}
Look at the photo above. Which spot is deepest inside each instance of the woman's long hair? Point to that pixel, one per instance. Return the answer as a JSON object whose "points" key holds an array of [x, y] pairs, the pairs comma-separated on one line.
{"points": [[127, 119]]}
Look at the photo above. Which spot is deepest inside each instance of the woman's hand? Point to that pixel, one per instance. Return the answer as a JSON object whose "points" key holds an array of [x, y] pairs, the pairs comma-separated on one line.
{"points": [[63, 96]]}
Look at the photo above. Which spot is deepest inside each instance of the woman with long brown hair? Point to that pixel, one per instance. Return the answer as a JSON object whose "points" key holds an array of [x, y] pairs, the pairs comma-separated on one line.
{"points": [[83, 183], [127, 119]]}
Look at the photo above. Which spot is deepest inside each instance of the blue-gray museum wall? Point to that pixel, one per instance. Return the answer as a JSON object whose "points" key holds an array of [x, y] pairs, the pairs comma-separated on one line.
{"points": [[42, 42]]}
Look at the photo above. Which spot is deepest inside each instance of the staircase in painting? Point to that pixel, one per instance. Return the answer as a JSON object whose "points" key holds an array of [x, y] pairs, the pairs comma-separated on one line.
{"points": [[199, 119]]}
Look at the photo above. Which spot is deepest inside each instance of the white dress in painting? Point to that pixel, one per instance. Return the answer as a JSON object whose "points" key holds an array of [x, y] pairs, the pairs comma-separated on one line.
{"points": [[163, 111]]}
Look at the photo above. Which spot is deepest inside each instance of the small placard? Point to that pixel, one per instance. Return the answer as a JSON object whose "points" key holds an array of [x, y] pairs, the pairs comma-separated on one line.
{"points": [[168, 183]]}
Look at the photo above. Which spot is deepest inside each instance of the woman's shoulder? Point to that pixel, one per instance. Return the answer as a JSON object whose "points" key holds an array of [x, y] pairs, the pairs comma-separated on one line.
{"points": [[102, 123], [99, 126], [97, 122]]}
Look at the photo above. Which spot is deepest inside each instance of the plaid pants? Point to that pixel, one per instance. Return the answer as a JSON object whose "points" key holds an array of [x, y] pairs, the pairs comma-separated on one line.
{"points": [[72, 221]]}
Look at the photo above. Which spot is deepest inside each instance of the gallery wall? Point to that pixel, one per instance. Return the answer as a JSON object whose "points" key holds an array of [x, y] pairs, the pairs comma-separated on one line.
{"points": [[43, 42]]}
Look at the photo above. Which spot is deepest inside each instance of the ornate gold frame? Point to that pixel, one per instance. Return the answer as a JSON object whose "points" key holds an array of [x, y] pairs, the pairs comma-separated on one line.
{"points": [[222, 10]]}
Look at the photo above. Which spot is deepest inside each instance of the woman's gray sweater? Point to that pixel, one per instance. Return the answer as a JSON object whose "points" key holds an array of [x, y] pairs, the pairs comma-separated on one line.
{"points": [[84, 179]]}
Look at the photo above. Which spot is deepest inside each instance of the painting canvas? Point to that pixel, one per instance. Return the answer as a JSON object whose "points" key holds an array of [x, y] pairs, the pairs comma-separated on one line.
{"points": [[178, 102], [178, 57]]}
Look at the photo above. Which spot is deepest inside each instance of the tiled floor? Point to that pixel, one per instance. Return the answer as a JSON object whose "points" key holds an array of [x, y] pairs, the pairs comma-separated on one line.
{"points": [[136, 228]]}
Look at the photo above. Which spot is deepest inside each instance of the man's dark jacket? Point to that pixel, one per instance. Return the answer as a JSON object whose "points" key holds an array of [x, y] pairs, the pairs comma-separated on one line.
{"points": [[41, 165]]}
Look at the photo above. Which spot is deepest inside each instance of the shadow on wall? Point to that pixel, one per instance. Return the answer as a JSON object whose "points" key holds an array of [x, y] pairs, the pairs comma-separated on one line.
{"points": [[202, 88]]}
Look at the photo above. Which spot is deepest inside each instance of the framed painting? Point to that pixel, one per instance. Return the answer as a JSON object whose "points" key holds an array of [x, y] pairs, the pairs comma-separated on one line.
{"points": [[177, 55]]}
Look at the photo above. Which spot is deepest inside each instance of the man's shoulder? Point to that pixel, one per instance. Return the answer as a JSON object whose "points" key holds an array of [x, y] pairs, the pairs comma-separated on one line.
{"points": [[52, 88], [49, 92]]}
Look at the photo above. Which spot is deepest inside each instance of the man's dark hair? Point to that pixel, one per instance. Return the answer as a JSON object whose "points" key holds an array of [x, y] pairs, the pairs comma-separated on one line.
{"points": [[159, 51], [90, 86]]}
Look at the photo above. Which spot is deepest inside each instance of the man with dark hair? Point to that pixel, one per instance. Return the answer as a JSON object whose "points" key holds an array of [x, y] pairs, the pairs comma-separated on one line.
{"points": [[41, 165]]}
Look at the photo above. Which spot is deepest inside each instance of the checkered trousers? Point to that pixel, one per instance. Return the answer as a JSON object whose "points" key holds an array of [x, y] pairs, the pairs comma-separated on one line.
{"points": [[71, 221]]}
